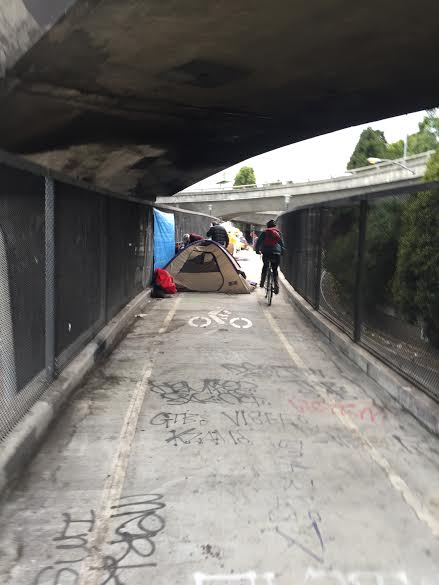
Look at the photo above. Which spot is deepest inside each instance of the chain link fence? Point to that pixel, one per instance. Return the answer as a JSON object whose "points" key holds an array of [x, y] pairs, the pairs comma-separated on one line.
{"points": [[371, 266], [70, 260]]}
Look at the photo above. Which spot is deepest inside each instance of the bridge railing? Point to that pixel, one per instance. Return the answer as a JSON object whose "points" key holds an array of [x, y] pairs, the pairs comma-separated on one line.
{"points": [[370, 265], [70, 259]]}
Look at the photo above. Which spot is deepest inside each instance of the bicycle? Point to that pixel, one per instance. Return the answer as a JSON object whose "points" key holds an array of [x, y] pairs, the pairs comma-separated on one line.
{"points": [[269, 284]]}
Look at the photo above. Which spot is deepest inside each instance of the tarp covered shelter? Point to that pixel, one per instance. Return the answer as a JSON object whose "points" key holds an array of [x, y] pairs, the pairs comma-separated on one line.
{"points": [[207, 267], [164, 238]]}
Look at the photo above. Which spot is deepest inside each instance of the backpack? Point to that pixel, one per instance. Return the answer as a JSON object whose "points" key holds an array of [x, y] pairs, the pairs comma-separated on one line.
{"points": [[164, 280], [272, 237]]}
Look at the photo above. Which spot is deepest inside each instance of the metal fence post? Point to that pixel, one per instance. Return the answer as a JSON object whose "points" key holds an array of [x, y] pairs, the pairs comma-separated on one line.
{"points": [[49, 211], [359, 276], [318, 276], [103, 264]]}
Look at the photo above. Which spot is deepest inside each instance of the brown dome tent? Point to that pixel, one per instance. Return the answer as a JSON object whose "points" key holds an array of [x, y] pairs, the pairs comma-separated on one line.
{"points": [[207, 267]]}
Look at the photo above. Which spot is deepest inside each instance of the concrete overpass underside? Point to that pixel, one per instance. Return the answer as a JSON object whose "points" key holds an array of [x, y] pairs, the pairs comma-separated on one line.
{"points": [[146, 98]]}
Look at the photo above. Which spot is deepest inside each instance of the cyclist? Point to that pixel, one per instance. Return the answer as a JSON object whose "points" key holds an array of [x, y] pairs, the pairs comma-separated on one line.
{"points": [[271, 244]]}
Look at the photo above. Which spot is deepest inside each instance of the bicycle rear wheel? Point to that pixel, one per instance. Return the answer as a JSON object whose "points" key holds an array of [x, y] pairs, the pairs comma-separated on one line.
{"points": [[269, 294]]}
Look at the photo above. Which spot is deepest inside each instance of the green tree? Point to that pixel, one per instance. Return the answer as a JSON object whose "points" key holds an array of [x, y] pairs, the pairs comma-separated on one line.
{"points": [[382, 239], [245, 176], [427, 138], [432, 170], [416, 284], [383, 229], [395, 149], [372, 143]]}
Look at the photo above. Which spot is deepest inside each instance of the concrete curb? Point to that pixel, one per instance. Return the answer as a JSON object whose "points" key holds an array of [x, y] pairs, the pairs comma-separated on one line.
{"points": [[24, 440], [423, 408]]}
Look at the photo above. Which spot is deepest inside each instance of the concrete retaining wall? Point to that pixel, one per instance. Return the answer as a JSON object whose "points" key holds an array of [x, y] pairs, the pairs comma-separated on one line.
{"points": [[423, 408], [24, 440]]}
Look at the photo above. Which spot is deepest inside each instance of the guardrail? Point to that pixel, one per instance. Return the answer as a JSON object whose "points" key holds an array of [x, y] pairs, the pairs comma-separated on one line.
{"points": [[364, 264]]}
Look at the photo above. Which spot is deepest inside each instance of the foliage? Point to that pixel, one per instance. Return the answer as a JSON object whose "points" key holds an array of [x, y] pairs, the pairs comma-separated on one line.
{"points": [[372, 143], [245, 176], [427, 138], [395, 149], [383, 229], [382, 239], [432, 170], [416, 285]]}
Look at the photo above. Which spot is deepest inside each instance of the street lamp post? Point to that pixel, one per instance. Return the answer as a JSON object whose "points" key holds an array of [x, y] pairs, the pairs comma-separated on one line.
{"points": [[373, 161]]}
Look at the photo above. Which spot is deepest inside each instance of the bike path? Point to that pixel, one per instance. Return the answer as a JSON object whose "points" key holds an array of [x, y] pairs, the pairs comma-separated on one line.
{"points": [[226, 442]]}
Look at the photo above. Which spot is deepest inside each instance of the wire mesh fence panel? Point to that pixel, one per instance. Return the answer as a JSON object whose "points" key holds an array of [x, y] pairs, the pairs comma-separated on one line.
{"points": [[22, 294], [340, 229], [186, 223], [79, 275], [299, 265], [125, 252], [311, 247], [285, 223], [148, 238], [401, 291], [294, 262], [70, 260]]}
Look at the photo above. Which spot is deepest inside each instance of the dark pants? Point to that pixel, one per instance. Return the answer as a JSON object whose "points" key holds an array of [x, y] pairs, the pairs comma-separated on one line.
{"points": [[275, 261]]}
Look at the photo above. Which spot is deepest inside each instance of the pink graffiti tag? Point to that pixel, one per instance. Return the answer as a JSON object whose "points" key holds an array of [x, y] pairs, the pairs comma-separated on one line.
{"points": [[364, 411]]}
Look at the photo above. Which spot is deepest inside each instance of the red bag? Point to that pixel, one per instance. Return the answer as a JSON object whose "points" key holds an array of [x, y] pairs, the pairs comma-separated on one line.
{"points": [[272, 237], [164, 280]]}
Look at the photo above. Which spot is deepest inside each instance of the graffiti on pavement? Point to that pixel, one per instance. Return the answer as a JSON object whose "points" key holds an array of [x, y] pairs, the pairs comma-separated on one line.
{"points": [[212, 390]]}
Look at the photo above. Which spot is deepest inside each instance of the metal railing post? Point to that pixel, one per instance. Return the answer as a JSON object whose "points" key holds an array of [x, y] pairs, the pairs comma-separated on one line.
{"points": [[359, 276], [305, 248], [319, 262], [49, 212], [103, 264]]}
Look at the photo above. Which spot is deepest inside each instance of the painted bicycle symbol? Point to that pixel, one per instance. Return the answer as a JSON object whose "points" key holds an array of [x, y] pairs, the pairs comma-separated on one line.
{"points": [[221, 317]]}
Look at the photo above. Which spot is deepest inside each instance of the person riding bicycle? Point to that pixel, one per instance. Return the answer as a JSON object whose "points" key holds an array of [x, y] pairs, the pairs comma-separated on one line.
{"points": [[271, 244]]}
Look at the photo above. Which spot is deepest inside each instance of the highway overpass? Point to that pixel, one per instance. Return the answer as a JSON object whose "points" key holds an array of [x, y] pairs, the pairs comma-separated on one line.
{"points": [[255, 204], [147, 98]]}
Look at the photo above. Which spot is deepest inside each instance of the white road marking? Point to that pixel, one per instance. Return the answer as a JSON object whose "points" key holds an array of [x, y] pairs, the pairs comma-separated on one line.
{"points": [[215, 316], [170, 315], [204, 321], [396, 481], [356, 578], [220, 318], [234, 322], [90, 573], [251, 577]]}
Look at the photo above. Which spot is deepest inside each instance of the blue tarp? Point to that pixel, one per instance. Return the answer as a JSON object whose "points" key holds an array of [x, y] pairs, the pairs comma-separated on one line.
{"points": [[164, 238]]}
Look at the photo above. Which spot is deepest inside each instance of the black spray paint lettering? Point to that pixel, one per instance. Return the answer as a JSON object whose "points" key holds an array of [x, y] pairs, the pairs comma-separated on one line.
{"points": [[212, 391], [168, 419], [134, 545], [212, 437], [55, 576], [242, 418], [74, 537], [73, 541]]}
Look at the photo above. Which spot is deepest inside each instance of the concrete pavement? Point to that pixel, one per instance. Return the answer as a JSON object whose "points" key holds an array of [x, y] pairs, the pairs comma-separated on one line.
{"points": [[227, 442]]}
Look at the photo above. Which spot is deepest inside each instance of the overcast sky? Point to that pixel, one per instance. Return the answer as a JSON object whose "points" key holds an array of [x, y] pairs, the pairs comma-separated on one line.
{"points": [[317, 158]]}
